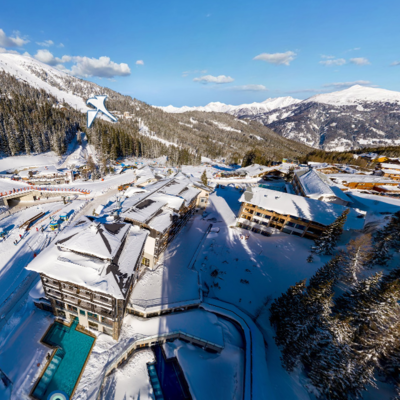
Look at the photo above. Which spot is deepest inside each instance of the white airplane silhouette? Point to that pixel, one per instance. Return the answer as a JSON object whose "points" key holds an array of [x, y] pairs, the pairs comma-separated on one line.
{"points": [[98, 103]]}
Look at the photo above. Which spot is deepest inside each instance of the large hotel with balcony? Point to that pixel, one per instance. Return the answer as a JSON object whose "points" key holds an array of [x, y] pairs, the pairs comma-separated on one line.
{"points": [[89, 274], [267, 211]]}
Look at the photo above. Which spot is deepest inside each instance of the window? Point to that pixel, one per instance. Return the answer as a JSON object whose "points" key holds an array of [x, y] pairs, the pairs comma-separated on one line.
{"points": [[259, 214], [256, 230], [265, 233], [146, 261], [256, 220], [291, 224], [93, 325], [91, 315], [264, 223], [296, 233], [108, 331], [301, 227], [288, 231], [104, 299], [82, 312], [72, 308]]}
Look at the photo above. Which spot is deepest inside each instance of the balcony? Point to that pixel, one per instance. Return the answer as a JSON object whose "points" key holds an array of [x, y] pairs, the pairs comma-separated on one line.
{"points": [[53, 293], [85, 305], [106, 321], [70, 299], [103, 312], [102, 300], [67, 289]]}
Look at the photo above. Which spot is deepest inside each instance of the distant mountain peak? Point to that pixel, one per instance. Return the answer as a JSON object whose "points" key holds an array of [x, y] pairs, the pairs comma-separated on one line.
{"points": [[355, 95], [242, 109]]}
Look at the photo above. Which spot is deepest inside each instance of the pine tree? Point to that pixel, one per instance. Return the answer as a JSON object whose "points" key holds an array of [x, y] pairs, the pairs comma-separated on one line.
{"points": [[381, 251], [330, 272], [326, 243], [204, 178], [358, 256]]}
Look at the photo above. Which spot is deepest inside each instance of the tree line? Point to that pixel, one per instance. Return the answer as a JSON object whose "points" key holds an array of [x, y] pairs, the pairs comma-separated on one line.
{"points": [[343, 330]]}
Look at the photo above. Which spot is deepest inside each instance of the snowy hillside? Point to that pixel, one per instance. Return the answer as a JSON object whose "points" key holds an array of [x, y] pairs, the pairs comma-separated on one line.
{"points": [[41, 76], [243, 109]]}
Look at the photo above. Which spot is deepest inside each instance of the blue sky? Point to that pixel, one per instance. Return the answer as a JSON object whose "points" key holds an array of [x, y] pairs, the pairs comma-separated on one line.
{"points": [[192, 53]]}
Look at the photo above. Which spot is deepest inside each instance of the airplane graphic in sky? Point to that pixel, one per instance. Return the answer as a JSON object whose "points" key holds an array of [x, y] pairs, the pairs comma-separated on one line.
{"points": [[98, 103]]}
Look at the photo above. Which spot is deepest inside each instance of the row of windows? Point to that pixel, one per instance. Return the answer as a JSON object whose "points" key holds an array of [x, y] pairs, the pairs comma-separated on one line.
{"points": [[77, 290]]}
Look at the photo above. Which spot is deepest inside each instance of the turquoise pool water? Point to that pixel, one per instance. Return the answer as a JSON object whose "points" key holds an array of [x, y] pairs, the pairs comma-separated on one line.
{"points": [[63, 371]]}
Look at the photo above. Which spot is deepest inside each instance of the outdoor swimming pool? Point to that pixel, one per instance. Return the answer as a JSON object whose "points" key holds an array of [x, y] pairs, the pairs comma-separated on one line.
{"points": [[170, 377], [64, 369]]}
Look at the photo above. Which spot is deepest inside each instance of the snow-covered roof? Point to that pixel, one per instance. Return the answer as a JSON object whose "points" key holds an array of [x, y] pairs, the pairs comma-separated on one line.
{"points": [[390, 166], [254, 169], [144, 175], [317, 185], [360, 178], [392, 171], [161, 222], [158, 201], [89, 264], [302, 207], [98, 240], [189, 194], [144, 210]]}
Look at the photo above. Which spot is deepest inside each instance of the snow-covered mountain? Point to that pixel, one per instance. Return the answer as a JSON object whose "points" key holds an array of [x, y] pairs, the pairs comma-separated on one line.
{"points": [[243, 109], [351, 118], [356, 95], [355, 117], [42, 76]]}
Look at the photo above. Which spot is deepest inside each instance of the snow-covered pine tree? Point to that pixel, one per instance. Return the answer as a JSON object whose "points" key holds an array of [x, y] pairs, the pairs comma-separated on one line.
{"points": [[381, 251], [329, 272], [334, 371], [389, 235], [285, 314], [357, 257], [298, 316], [327, 242]]}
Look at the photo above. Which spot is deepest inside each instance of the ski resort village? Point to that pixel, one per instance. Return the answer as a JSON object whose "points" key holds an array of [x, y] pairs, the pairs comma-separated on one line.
{"points": [[154, 281], [209, 253]]}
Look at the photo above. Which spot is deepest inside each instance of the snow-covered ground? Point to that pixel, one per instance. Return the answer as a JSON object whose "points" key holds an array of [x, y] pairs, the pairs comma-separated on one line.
{"points": [[246, 273], [132, 380]]}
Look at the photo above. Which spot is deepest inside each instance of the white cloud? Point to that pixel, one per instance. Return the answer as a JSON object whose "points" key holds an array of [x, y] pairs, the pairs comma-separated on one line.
{"points": [[46, 57], [101, 67], [214, 79], [3, 50], [395, 63], [327, 57], [60, 45], [8, 41], [249, 88], [344, 85], [360, 61], [277, 58], [139, 62], [46, 43], [335, 61]]}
